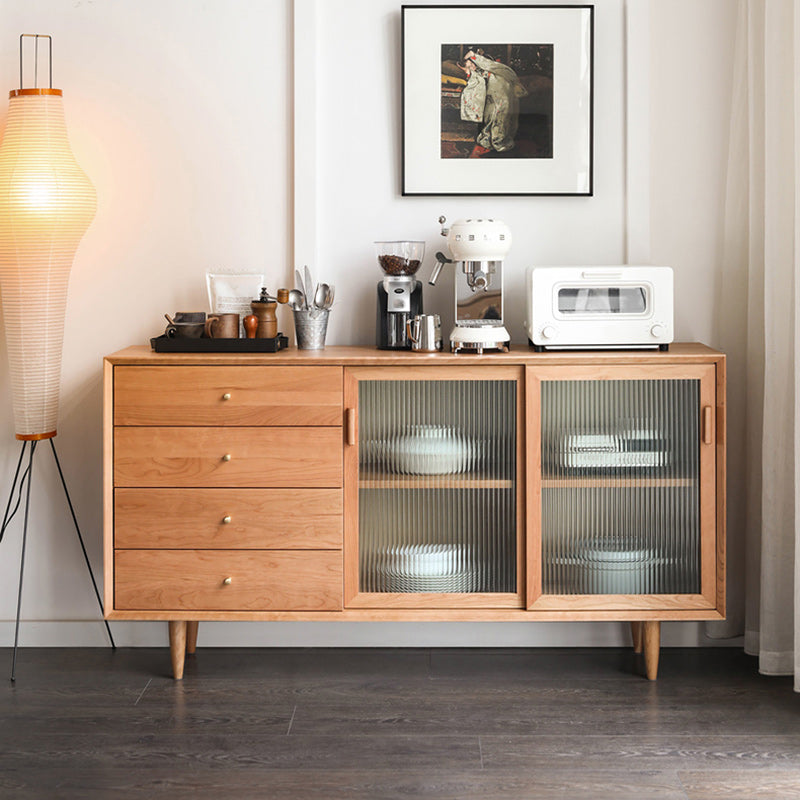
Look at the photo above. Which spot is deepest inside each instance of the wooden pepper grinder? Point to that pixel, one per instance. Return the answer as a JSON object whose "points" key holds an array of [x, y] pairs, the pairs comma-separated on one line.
{"points": [[250, 323], [264, 310]]}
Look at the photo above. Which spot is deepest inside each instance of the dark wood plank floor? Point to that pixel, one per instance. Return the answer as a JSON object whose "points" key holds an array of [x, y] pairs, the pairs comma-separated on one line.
{"points": [[374, 724]]}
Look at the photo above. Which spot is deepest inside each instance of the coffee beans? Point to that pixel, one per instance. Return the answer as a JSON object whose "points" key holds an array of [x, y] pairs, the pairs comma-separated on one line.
{"points": [[397, 265]]}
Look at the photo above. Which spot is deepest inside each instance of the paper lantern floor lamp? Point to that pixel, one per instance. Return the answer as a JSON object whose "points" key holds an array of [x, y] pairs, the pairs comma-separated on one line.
{"points": [[46, 205]]}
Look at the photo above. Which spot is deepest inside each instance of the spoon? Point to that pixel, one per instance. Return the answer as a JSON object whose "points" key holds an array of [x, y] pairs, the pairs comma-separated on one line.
{"points": [[294, 298], [297, 300], [298, 276], [321, 295]]}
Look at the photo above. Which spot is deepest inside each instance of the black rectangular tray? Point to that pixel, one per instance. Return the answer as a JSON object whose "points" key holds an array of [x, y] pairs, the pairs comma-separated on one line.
{"points": [[164, 344]]}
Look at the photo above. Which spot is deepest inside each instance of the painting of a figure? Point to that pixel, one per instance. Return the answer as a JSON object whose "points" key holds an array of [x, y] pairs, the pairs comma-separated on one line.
{"points": [[497, 101]]}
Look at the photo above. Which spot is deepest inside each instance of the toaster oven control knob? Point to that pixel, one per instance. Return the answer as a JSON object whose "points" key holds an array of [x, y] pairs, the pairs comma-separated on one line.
{"points": [[657, 331], [548, 332]]}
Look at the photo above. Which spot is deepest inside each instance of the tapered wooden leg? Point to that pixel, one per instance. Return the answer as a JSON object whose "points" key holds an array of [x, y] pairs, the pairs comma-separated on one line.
{"points": [[177, 648], [636, 633], [652, 647], [191, 637]]}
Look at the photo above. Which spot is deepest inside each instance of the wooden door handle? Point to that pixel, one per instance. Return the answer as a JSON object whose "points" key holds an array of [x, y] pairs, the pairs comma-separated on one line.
{"points": [[708, 435], [351, 427]]}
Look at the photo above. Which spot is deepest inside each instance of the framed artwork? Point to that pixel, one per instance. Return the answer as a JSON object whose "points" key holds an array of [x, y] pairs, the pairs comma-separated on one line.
{"points": [[498, 100]]}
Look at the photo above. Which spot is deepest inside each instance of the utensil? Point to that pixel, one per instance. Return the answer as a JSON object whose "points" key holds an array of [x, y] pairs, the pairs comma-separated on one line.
{"points": [[299, 278], [309, 284], [329, 300], [321, 295], [169, 319], [294, 298]]}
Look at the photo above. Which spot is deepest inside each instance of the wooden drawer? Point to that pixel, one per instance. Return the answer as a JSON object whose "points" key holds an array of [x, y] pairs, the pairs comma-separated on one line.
{"points": [[257, 519], [259, 457], [189, 395], [260, 580]]}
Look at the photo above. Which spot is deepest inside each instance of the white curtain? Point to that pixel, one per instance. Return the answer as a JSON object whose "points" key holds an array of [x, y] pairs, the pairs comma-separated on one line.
{"points": [[761, 322]]}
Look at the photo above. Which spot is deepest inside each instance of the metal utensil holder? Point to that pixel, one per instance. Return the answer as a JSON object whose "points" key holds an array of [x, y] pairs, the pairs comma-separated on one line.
{"points": [[310, 327]]}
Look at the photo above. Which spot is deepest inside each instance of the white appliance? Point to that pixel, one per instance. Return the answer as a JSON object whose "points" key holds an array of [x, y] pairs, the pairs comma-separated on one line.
{"points": [[478, 247], [599, 307]]}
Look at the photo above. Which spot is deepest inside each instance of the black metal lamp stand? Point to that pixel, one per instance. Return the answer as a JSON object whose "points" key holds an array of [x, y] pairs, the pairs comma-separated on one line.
{"points": [[18, 486]]}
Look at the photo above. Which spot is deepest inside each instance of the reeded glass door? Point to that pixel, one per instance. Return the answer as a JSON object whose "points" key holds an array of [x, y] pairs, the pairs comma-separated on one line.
{"points": [[434, 517], [626, 490]]}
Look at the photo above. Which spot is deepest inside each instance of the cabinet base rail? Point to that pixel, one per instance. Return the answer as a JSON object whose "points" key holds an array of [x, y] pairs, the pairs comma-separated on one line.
{"points": [[646, 638]]}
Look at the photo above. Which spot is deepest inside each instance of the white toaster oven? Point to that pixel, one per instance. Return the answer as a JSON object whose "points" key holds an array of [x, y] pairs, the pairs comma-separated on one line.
{"points": [[599, 307]]}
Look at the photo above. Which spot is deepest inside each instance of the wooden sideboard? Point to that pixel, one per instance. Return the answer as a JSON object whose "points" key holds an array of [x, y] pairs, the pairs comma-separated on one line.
{"points": [[541, 486]]}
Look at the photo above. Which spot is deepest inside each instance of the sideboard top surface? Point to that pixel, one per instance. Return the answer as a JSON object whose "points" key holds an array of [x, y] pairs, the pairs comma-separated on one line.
{"points": [[685, 352]]}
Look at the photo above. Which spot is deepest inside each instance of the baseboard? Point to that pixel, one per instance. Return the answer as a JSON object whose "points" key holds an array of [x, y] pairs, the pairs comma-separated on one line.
{"points": [[90, 633]]}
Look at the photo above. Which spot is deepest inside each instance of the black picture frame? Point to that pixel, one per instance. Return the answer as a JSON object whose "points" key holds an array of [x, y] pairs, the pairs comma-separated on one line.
{"points": [[532, 134]]}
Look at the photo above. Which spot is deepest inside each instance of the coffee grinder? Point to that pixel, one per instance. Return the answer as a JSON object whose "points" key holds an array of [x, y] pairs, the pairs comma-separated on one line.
{"points": [[399, 293], [478, 247]]}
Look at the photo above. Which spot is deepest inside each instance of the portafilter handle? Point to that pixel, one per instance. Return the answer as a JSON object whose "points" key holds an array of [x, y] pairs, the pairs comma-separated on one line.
{"points": [[441, 260], [480, 280]]}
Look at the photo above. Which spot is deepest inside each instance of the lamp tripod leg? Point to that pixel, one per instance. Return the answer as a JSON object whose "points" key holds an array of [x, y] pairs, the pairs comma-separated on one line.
{"points": [[13, 489], [22, 557], [83, 546]]}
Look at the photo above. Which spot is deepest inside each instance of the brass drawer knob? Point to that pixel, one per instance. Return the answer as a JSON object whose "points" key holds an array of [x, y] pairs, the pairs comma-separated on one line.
{"points": [[226, 396], [228, 581], [226, 457], [226, 520]]}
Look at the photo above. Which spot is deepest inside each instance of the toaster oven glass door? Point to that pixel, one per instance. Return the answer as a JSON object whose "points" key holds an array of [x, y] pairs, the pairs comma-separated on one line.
{"points": [[580, 301]]}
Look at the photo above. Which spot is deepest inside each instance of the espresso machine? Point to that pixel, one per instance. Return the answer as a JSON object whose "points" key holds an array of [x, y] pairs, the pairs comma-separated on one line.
{"points": [[399, 293], [478, 247]]}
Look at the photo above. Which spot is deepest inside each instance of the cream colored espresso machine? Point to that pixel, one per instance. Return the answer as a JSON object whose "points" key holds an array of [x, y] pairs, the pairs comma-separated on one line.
{"points": [[478, 247]]}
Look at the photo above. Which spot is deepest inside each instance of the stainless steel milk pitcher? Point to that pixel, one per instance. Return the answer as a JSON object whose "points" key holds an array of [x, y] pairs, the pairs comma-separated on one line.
{"points": [[425, 333]]}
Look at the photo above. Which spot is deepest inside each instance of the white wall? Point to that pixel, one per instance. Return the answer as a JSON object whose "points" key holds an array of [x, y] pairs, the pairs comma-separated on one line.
{"points": [[359, 178], [691, 70], [180, 112]]}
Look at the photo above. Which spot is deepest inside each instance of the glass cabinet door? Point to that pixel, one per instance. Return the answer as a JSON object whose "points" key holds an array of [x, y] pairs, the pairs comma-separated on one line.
{"points": [[626, 490], [435, 512]]}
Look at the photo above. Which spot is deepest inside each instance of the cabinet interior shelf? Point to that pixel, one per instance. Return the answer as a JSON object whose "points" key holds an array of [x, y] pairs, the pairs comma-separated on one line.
{"points": [[603, 482], [472, 480]]}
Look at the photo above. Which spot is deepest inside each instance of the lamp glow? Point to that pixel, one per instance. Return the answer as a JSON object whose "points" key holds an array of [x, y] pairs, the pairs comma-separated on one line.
{"points": [[46, 204]]}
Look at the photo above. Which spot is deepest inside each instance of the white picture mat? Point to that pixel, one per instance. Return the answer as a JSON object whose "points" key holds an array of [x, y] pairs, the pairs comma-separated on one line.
{"points": [[427, 29]]}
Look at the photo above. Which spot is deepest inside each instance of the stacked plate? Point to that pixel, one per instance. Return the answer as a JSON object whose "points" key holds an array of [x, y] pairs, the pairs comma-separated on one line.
{"points": [[428, 568], [611, 566], [641, 448], [430, 450]]}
